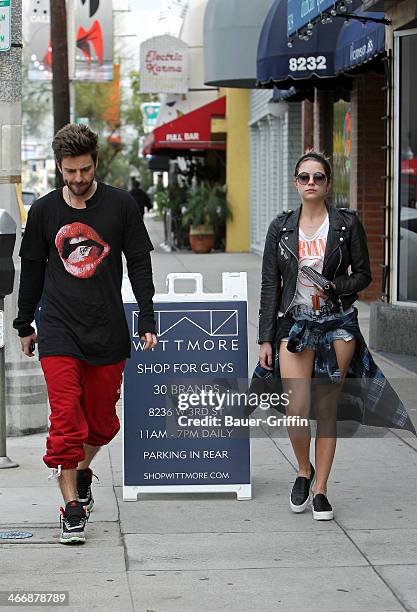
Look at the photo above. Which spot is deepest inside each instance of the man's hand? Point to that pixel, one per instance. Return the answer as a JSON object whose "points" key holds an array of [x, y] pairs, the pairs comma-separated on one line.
{"points": [[149, 340], [27, 343], [265, 355]]}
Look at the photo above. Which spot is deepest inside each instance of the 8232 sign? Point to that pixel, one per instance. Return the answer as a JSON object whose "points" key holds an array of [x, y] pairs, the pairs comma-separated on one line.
{"points": [[310, 63]]}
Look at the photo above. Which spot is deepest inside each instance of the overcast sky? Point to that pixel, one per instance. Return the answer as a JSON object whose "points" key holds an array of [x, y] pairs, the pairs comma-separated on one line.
{"points": [[142, 21], [149, 17]]}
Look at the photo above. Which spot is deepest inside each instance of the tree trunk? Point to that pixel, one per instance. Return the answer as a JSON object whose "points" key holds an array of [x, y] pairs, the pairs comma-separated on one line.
{"points": [[60, 82]]}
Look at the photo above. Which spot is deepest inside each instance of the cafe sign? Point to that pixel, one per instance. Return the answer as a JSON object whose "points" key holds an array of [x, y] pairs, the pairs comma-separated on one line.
{"points": [[164, 65]]}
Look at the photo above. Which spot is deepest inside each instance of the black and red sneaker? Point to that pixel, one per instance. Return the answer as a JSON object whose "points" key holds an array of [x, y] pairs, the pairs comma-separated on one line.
{"points": [[73, 520], [84, 495]]}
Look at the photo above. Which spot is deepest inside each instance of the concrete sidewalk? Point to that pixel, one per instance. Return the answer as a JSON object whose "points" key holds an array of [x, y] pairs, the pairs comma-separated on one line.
{"points": [[211, 552]]}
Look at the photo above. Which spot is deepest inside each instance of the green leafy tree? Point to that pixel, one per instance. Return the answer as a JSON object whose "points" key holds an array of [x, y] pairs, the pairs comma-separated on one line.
{"points": [[92, 101], [116, 158], [133, 116]]}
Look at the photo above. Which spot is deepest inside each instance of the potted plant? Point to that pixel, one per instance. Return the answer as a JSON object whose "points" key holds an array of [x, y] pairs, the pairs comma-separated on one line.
{"points": [[207, 208], [161, 199]]}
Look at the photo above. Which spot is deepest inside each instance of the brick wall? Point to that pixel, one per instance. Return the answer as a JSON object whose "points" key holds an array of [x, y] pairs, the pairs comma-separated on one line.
{"points": [[367, 169]]}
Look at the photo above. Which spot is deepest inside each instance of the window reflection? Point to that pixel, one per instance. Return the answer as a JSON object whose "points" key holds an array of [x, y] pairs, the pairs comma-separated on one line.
{"points": [[407, 247], [341, 154]]}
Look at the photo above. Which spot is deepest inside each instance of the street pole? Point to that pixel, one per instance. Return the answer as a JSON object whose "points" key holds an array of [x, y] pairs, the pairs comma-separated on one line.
{"points": [[7, 274], [10, 173], [60, 81], [5, 462]]}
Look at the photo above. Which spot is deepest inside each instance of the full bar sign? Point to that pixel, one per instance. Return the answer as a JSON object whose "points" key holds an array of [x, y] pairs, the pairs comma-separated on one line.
{"points": [[300, 12], [5, 25]]}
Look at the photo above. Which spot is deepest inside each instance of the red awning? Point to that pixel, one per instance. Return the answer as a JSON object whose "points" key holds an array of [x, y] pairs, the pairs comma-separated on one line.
{"points": [[191, 131]]}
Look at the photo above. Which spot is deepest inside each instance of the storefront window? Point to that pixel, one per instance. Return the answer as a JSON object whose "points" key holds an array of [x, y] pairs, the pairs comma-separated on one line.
{"points": [[341, 154], [407, 196]]}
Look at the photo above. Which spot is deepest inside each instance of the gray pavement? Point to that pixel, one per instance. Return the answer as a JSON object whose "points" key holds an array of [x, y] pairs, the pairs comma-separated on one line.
{"points": [[186, 553]]}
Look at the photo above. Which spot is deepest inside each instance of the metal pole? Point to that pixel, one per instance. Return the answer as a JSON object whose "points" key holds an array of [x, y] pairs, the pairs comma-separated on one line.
{"points": [[10, 171], [5, 462]]}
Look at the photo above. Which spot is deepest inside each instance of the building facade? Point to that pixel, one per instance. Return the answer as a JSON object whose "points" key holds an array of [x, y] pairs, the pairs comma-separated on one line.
{"points": [[275, 146], [393, 325]]}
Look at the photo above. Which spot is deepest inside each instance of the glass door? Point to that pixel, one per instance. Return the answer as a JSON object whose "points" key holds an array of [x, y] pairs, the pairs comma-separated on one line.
{"points": [[405, 245]]}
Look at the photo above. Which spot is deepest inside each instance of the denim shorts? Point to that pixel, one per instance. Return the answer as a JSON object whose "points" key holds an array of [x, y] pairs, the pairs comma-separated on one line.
{"points": [[301, 312]]}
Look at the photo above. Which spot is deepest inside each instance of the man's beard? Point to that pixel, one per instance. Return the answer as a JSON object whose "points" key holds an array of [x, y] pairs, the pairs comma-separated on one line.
{"points": [[82, 189]]}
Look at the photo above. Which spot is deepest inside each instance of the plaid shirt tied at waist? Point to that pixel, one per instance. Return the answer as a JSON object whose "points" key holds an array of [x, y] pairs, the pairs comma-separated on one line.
{"points": [[366, 395]]}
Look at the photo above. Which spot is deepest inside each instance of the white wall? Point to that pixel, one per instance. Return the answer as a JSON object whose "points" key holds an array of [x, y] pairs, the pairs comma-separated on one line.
{"points": [[275, 145]]}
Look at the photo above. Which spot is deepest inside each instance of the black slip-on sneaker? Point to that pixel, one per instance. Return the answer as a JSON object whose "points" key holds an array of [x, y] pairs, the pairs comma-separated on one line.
{"points": [[300, 493], [322, 509]]}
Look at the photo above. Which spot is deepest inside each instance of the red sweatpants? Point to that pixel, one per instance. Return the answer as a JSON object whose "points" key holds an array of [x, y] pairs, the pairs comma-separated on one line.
{"points": [[83, 407]]}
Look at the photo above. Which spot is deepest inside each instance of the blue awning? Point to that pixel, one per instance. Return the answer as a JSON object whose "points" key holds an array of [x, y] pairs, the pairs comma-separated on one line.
{"points": [[306, 64], [359, 43], [292, 94], [300, 13]]}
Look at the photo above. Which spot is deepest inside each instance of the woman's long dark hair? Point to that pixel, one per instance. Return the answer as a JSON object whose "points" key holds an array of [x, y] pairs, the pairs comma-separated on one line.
{"points": [[315, 156]]}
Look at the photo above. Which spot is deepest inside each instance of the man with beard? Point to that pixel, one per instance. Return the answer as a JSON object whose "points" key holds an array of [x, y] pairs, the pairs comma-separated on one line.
{"points": [[72, 264]]}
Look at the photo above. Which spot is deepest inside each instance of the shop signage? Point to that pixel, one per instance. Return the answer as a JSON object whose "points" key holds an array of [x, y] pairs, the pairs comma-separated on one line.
{"points": [[5, 25], [185, 136], [94, 41], [359, 49], [90, 39], [360, 53], [37, 31], [164, 65], [303, 63], [300, 12], [150, 113], [202, 345]]}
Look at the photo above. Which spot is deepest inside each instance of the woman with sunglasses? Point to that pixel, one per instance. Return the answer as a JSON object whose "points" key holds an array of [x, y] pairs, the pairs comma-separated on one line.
{"points": [[303, 334]]}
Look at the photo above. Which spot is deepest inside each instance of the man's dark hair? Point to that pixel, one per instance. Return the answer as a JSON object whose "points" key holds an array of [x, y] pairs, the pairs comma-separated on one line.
{"points": [[135, 183], [73, 140]]}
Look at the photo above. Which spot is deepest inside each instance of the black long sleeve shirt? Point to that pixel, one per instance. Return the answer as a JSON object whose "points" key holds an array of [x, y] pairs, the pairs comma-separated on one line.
{"points": [[72, 264]]}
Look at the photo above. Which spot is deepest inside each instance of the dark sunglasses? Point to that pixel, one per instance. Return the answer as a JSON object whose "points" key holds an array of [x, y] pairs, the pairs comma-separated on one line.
{"points": [[304, 177]]}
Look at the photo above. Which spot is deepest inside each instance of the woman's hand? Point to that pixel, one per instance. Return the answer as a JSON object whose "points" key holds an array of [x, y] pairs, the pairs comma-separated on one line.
{"points": [[265, 355], [320, 293]]}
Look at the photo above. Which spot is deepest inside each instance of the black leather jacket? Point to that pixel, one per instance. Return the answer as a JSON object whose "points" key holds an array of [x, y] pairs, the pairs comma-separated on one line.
{"points": [[346, 246]]}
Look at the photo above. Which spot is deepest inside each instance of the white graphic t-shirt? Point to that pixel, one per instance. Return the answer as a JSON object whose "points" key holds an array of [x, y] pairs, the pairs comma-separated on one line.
{"points": [[310, 253]]}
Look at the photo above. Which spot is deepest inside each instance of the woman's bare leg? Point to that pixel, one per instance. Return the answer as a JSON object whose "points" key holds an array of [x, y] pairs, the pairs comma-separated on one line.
{"points": [[295, 370], [326, 413]]}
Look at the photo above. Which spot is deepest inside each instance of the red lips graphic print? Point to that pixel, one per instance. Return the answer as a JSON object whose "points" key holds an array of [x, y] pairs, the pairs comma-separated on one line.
{"points": [[81, 249]]}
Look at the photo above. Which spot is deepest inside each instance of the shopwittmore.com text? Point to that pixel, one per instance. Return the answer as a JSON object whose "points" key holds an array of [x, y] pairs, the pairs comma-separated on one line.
{"points": [[228, 420]]}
